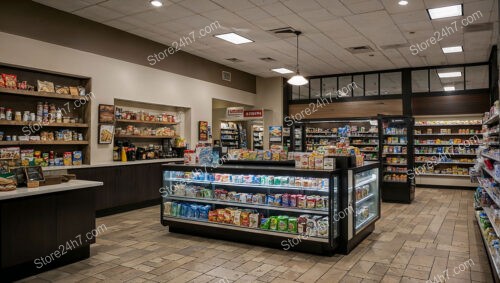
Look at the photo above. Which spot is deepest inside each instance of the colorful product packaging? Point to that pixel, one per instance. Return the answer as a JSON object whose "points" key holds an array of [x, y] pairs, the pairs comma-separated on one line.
{"points": [[77, 157]]}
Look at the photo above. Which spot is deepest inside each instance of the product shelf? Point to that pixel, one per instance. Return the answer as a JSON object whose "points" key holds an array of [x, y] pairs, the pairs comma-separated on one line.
{"points": [[41, 124], [365, 144], [364, 199], [146, 122], [395, 164], [491, 194], [491, 217], [249, 205], [366, 181], [446, 125], [43, 143], [455, 134], [144, 137], [491, 173], [492, 120], [489, 250], [447, 163], [437, 153], [443, 175], [366, 221], [443, 144], [250, 185], [244, 229], [22, 92]]}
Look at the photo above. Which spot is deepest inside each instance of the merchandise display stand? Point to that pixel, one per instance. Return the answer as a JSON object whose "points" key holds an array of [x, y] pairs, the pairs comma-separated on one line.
{"points": [[396, 135], [317, 197]]}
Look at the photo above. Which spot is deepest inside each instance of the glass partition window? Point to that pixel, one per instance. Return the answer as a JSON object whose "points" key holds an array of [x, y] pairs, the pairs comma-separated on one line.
{"points": [[447, 79], [477, 77], [329, 86], [315, 88], [295, 93], [345, 86], [390, 83], [366, 196], [371, 84], [358, 86], [304, 91], [420, 81]]}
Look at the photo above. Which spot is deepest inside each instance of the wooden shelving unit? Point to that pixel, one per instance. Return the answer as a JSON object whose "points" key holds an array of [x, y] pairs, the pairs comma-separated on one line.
{"points": [[71, 106], [144, 137], [21, 92], [62, 125], [145, 122]]}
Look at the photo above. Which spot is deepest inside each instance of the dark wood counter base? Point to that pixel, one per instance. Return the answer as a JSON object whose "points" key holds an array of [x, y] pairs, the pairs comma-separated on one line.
{"points": [[35, 231]]}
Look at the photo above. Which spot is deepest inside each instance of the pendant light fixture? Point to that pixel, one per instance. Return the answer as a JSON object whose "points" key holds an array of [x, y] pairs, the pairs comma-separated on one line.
{"points": [[297, 79]]}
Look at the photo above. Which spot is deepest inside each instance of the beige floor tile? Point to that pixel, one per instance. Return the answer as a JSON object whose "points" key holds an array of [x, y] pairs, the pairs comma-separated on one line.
{"points": [[410, 244]]}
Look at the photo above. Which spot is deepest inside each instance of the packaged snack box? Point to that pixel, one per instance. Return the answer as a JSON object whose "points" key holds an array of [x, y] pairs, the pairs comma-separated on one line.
{"points": [[273, 225], [322, 225], [267, 155], [212, 216], [264, 223], [237, 217], [311, 228], [77, 157], [302, 223], [283, 223], [292, 225], [254, 220], [318, 163], [67, 158], [245, 218], [167, 208]]}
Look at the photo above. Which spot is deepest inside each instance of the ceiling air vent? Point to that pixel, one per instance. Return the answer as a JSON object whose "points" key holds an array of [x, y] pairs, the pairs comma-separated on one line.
{"points": [[226, 76], [394, 46], [234, 60], [478, 27], [268, 59], [360, 49]]}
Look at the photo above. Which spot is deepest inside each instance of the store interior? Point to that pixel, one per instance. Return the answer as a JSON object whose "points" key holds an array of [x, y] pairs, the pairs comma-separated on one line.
{"points": [[249, 141]]}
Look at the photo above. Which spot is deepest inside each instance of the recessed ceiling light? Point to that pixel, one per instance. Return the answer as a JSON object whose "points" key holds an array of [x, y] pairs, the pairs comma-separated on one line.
{"points": [[282, 70], [233, 38], [156, 3], [450, 74], [445, 12], [449, 88], [452, 49], [403, 2]]}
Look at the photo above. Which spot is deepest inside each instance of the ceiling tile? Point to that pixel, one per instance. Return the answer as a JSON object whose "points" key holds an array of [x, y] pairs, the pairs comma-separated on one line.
{"points": [[362, 6], [299, 6], [393, 7], [198, 6], [68, 6], [128, 7], [253, 14], [98, 13], [234, 5]]}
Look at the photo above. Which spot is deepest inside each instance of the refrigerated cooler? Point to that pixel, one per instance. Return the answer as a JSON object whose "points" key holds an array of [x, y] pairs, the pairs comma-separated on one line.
{"points": [[275, 206]]}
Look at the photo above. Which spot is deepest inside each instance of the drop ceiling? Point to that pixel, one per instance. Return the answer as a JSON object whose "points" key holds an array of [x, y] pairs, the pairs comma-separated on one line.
{"points": [[330, 28]]}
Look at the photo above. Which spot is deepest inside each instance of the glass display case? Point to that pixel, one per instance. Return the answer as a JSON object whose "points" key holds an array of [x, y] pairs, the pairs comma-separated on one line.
{"points": [[362, 196], [240, 202], [396, 136]]}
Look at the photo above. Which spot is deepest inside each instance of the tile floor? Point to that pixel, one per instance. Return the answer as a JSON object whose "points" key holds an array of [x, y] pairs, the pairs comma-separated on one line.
{"points": [[411, 243]]}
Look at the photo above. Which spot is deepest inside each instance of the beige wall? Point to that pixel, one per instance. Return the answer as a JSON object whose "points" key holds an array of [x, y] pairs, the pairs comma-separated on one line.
{"points": [[270, 98], [112, 78]]}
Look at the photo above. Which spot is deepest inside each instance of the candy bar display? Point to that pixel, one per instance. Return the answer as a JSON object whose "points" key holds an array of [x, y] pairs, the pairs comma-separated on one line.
{"points": [[448, 123], [451, 141]]}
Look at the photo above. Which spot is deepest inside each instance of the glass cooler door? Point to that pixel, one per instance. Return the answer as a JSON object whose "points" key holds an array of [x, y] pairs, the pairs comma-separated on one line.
{"points": [[366, 198]]}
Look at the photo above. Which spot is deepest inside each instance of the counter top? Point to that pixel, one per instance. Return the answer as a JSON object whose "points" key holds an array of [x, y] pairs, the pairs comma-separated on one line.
{"points": [[112, 163], [71, 185]]}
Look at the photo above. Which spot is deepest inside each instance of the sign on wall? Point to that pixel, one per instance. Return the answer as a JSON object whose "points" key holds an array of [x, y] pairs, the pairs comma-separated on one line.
{"points": [[235, 112], [255, 113]]}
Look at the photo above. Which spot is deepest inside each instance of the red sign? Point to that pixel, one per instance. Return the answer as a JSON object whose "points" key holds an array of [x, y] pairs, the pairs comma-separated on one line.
{"points": [[258, 113]]}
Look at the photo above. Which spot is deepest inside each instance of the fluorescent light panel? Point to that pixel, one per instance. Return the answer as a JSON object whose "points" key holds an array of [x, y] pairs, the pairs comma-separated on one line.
{"points": [[449, 88], [234, 38], [450, 75], [282, 70], [445, 12], [403, 2], [452, 49]]}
